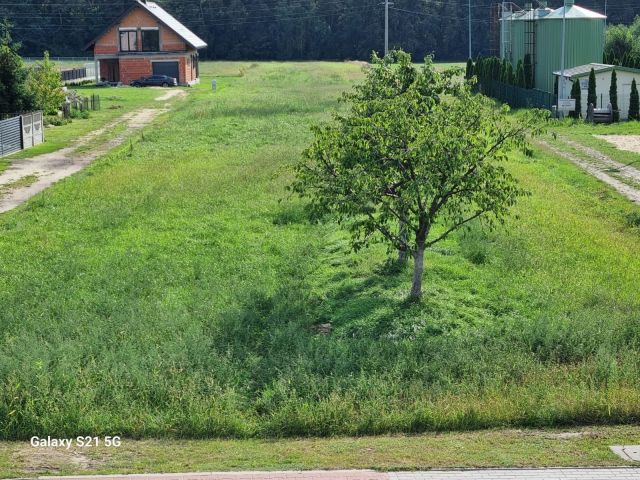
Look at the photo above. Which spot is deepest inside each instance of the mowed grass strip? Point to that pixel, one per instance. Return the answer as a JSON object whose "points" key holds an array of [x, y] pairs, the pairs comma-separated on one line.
{"points": [[172, 289], [494, 448]]}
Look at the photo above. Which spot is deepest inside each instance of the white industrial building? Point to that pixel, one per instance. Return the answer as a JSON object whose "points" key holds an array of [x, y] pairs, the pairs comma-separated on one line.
{"points": [[603, 82]]}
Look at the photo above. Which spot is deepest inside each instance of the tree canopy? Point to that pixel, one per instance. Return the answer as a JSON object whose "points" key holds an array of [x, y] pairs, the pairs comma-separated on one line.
{"points": [[417, 156], [14, 97], [622, 45], [282, 29]]}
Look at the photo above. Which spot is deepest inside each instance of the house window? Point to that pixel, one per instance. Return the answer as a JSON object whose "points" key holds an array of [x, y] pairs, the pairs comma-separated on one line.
{"points": [[151, 40], [128, 40]]}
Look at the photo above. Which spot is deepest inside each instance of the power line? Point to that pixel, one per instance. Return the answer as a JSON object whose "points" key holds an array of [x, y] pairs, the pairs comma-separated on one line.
{"points": [[213, 24]]}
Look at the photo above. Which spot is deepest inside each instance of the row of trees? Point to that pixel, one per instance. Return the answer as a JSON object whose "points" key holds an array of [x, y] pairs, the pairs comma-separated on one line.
{"points": [[23, 88], [284, 29], [501, 70], [592, 99]]}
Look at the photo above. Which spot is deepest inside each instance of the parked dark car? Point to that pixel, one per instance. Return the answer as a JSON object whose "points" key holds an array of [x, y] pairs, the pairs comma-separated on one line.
{"points": [[155, 81]]}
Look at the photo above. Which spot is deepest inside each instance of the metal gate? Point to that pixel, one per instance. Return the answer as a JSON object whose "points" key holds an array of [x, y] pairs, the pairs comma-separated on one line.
{"points": [[10, 136], [32, 129]]}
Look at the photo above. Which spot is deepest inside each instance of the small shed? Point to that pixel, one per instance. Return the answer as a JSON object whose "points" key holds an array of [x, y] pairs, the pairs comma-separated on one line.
{"points": [[603, 83]]}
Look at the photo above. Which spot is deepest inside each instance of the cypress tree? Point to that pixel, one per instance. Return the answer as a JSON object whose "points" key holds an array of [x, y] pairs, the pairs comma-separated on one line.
{"points": [[469, 72], [576, 94], [592, 98], [510, 76], [528, 71], [497, 69], [477, 69], [634, 104], [520, 76], [613, 96], [504, 70]]}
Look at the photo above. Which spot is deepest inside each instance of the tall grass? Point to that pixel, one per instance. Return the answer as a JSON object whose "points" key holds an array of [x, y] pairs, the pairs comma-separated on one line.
{"points": [[174, 289]]}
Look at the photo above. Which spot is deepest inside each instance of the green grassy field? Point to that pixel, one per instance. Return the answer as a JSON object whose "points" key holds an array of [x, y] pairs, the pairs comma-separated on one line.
{"points": [[172, 290]]}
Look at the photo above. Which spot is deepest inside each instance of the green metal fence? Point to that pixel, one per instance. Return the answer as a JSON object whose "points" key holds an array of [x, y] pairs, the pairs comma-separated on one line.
{"points": [[516, 97]]}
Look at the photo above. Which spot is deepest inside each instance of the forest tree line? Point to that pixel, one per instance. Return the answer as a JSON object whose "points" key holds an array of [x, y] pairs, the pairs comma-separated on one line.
{"points": [[285, 29]]}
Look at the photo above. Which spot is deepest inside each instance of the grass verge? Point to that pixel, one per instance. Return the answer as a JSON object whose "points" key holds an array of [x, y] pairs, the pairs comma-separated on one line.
{"points": [[495, 448]]}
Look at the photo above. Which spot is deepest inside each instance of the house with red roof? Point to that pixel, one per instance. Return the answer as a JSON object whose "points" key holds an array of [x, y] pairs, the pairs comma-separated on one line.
{"points": [[146, 40]]}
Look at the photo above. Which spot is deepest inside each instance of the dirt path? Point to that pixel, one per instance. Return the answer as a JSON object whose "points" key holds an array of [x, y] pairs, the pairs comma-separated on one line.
{"points": [[630, 143], [628, 172], [597, 169], [26, 177]]}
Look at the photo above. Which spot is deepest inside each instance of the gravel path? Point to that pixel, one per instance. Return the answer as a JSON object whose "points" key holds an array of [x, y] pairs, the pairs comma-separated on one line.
{"points": [[598, 168], [630, 143]]}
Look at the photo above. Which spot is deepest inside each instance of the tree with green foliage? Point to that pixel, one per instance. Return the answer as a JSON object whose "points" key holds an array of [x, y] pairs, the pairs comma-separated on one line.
{"points": [[619, 43], [271, 29], [613, 96], [634, 103], [576, 94], [592, 97], [504, 71], [477, 67], [415, 151], [521, 80], [14, 98], [45, 86], [528, 71], [469, 71], [499, 64], [510, 75]]}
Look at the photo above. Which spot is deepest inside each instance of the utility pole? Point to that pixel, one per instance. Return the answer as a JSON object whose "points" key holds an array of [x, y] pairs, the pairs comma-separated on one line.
{"points": [[470, 29], [386, 27], [561, 82]]}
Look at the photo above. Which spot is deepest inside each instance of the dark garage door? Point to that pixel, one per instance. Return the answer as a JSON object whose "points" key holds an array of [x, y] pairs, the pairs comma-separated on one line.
{"points": [[166, 68]]}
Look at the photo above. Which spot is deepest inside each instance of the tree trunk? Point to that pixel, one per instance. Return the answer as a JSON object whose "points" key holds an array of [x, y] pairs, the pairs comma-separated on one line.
{"points": [[418, 268]]}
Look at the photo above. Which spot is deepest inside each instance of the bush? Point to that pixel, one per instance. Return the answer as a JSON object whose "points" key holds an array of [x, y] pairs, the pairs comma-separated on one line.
{"points": [[592, 97], [80, 114], [45, 86], [613, 96], [576, 94], [634, 104], [55, 121]]}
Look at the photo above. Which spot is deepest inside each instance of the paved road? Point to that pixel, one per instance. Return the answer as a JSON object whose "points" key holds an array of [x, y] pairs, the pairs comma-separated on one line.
{"points": [[622, 473]]}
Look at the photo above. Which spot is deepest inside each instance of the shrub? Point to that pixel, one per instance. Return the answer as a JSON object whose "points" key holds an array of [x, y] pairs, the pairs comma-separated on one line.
{"points": [[576, 94], [45, 86], [520, 76], [469, 70], [55, 121], [613, 96], [634, 104], [592, 98], [81, 114]]}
